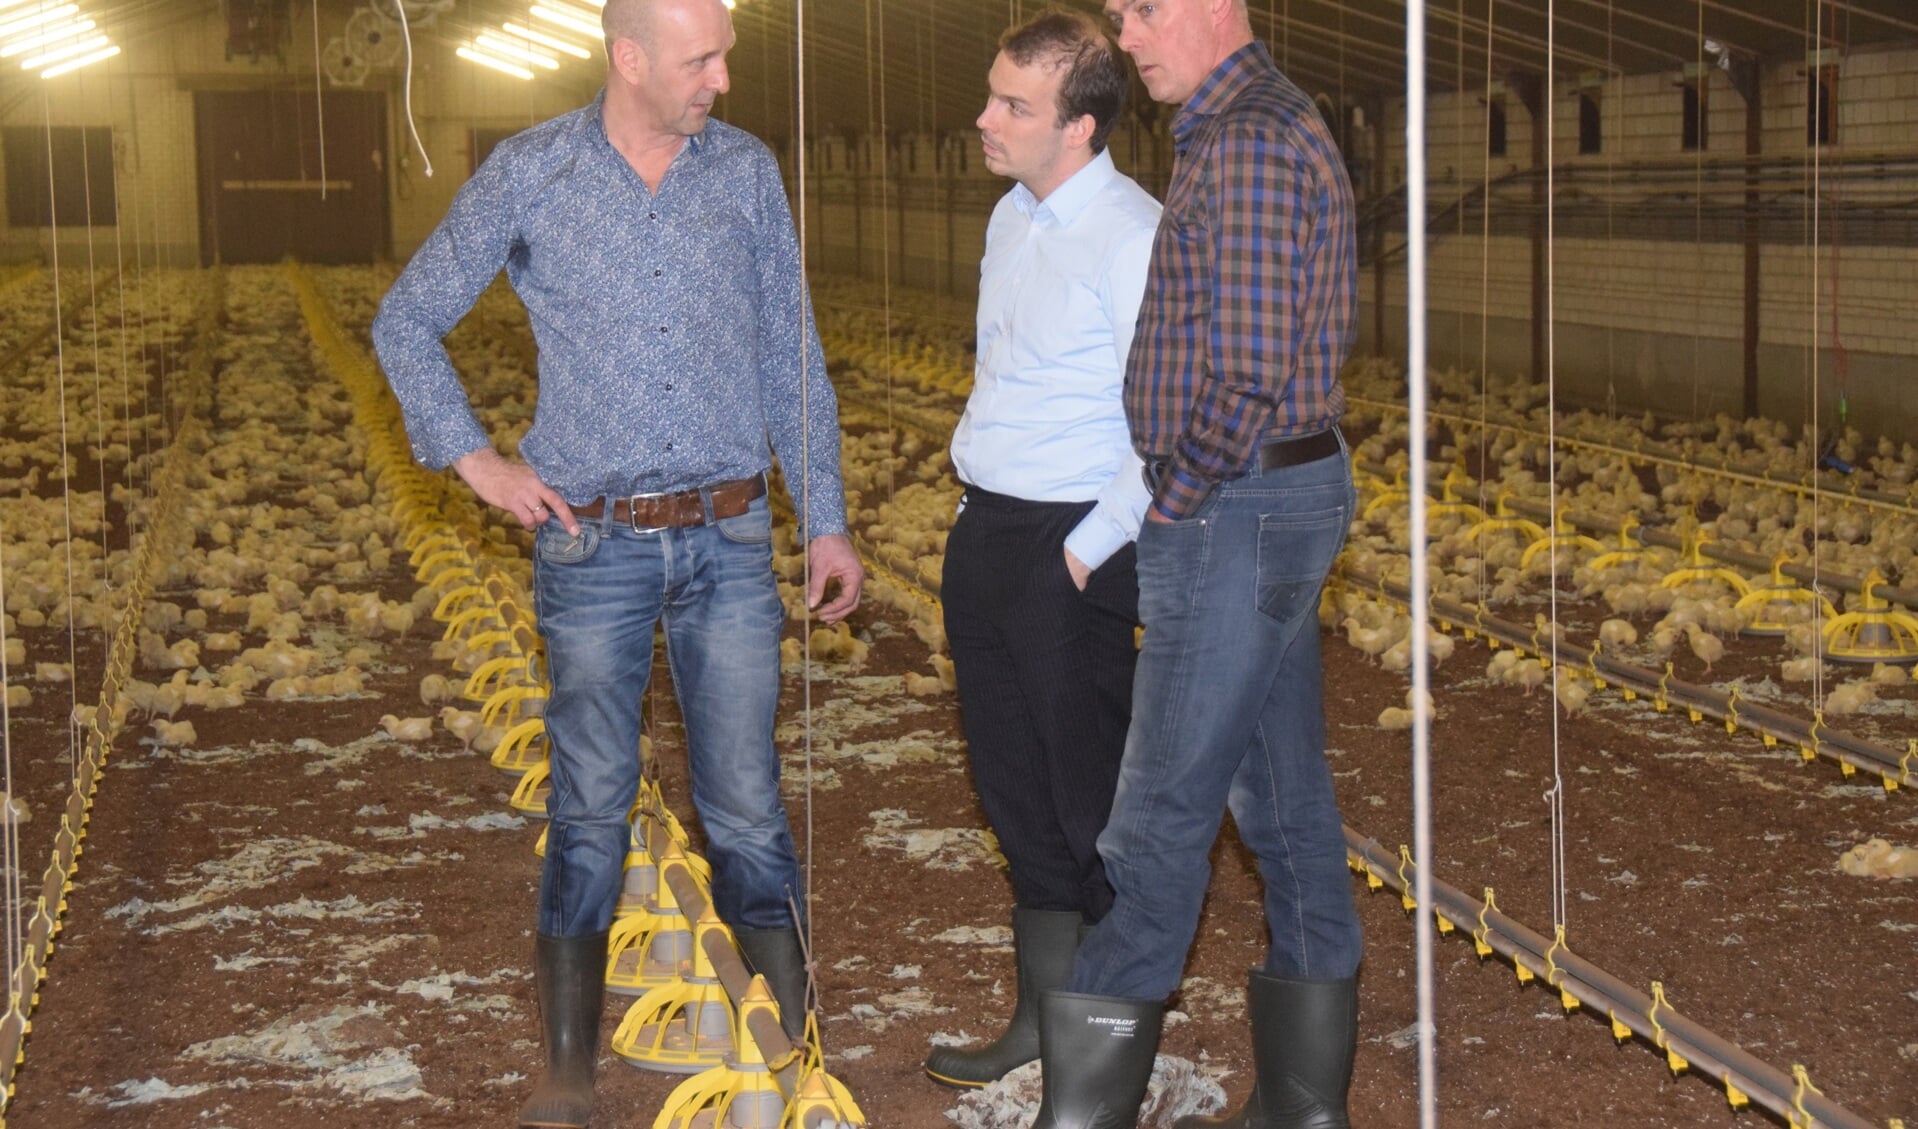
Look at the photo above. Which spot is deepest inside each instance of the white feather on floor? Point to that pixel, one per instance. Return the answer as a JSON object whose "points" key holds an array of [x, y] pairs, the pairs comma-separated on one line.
{"points": [[1179, 1087]]}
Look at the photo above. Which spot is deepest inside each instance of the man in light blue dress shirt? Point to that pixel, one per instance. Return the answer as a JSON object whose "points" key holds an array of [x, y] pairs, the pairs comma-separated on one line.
{"points": [[1039, 589], [656, 257]]}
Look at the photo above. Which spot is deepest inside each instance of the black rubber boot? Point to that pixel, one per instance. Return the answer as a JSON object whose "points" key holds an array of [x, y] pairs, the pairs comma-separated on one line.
{"points": [[776, 955], [1304, 1034], [1097, 1054], [1045, 941], [571, 976]]}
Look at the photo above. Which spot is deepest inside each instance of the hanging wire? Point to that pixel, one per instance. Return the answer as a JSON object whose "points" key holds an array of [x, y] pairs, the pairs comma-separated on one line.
{"points": [[1700, 99], [60, 370], [1556, 796], [406, 88], [100, 443], [1421, 582], [1817, 430], [805, 476], [1485, 288], [319, 99], [1611, 204]]}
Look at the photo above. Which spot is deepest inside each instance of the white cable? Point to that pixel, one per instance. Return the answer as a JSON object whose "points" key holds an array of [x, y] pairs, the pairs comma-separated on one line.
{"points": [[1421, 584], [319, 97], [805, 468], [406, 89], [1557, 795], [60, 372], [1817, 432]]}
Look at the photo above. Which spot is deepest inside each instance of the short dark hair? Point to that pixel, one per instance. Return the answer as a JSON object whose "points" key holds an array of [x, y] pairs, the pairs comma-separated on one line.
{"points": [[1094, 80]]}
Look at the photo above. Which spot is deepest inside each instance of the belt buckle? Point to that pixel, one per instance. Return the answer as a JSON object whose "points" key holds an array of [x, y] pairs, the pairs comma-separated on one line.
{"points": [[632, 512]]}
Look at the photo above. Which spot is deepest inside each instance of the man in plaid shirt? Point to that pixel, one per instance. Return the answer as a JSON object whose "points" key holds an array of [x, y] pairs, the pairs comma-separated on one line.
{"points": [[1233, 396]]}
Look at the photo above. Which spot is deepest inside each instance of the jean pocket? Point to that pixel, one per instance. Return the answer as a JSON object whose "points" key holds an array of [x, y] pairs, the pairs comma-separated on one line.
{"points": [[754, 527], [1295, 553], [556, 546]]}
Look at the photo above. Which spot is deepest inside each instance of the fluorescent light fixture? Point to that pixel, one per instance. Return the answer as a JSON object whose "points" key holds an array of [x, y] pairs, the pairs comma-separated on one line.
{"points": [[519, 52], [5, 4], [16, 25], [42, 38], [83, 61], [571, 20], [63, 51], [565, 46], [504, 66]]}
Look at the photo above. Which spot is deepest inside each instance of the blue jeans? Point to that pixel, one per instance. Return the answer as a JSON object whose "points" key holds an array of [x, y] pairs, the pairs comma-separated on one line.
{"points": [[598, 597], [1228, 710]]}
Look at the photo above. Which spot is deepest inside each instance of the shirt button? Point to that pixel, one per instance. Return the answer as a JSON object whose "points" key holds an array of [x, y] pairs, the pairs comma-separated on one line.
{"points": [[657, 273], [669, 388], [652, 215]]}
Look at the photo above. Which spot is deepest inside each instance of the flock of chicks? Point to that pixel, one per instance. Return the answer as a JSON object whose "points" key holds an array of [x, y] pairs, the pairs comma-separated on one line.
{"points": [[1648, 621]]}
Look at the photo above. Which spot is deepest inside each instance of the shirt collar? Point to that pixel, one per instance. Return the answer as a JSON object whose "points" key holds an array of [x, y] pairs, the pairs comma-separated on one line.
{"points": [[596, 125], [1233, 74], [1069, 199]]}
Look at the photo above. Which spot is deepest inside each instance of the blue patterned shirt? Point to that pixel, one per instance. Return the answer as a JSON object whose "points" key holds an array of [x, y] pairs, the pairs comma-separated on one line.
{"points": [[675, 332]]}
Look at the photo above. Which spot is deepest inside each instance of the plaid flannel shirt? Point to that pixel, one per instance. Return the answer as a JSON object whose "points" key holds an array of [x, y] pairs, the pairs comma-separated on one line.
{"points": [[1251, 307]]}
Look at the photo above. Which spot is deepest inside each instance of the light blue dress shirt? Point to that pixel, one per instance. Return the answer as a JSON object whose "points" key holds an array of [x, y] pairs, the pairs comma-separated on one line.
{"points": [[1059, 293]]}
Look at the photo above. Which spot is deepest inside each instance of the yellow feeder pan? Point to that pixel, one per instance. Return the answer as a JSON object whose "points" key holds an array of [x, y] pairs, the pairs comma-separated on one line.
{"points": [[737, 1093], [1695, 568], [1874, 633], [1629, 549], [1502, 521], [821, 1093], [529, 797], [686, 1026], [1776, 607], [650, 947], [1565, 537], [1449, 506], [521, 748]]}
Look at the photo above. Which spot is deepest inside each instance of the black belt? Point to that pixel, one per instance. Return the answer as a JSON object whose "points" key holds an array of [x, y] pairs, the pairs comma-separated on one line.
{"points": [[1274, 454]]}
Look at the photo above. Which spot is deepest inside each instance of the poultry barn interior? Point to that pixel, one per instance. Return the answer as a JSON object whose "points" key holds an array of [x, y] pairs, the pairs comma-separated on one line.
{"points": [[275, 771]]}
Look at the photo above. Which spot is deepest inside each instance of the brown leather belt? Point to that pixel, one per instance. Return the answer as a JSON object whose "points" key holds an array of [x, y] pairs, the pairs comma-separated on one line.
{"points": [[649, 513]]}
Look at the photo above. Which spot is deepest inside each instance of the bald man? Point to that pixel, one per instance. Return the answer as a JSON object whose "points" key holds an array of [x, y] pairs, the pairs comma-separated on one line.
{"points": [[654, 250]]}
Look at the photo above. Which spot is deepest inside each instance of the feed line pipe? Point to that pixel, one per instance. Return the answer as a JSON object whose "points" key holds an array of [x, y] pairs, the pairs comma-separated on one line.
{"points": [[1715, 551], [731, 969], [1894, 767], [1648, 1017]]}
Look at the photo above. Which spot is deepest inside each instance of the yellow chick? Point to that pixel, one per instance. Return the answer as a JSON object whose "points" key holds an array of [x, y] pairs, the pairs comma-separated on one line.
{"points": [[1708, 647], [923, 685], [1617, 633], [437, 688], [19, 698], [1392, 717], [1879, 859], [173, 733], [464, 724], [1501, 665], [1799, 670], [948, 676], [1573, 693], [407, 728], [1850, 698], [1530, 675], [1886, 674]]}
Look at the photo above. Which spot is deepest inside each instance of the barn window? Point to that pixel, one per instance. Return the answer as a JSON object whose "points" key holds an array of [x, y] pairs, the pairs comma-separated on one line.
{"points": [[82, 176]]}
